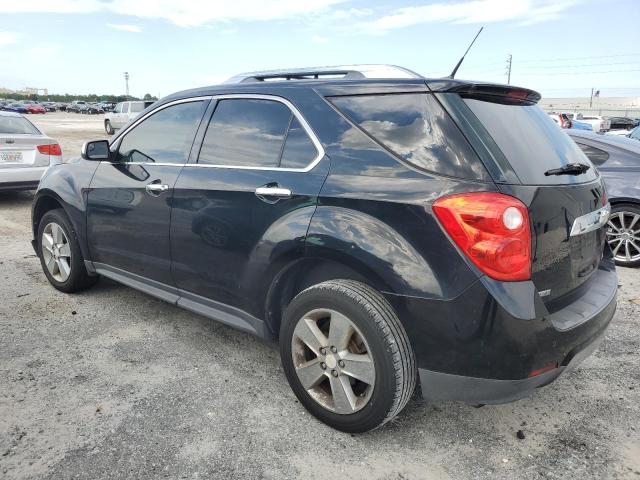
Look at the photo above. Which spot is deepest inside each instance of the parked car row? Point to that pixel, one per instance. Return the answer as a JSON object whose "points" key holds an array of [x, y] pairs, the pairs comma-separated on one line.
{"points": [[595, 123], [77, 106]]}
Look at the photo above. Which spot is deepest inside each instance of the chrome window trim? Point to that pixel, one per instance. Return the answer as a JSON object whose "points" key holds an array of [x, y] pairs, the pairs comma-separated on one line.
{"points": [[305, 125]]}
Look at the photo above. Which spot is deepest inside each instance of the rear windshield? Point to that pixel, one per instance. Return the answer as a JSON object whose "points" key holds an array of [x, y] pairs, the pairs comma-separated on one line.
{"points": [[416, 128], [17, 126], [531, 142]]}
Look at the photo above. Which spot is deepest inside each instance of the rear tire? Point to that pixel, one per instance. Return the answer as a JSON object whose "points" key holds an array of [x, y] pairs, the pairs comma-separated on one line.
{"points": [[623, 234], [371, 374], [60, 254]]}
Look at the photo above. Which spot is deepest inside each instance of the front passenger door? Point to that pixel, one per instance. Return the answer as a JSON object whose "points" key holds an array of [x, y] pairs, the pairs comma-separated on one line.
{"points": [[129, 200]]}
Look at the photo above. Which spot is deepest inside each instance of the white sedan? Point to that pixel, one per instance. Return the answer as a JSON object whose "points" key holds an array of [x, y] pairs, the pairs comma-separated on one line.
{"points": [[25, 153]]}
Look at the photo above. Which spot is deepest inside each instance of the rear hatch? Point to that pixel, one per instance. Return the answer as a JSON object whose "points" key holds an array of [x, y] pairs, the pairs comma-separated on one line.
{"points": [[567, 211]]}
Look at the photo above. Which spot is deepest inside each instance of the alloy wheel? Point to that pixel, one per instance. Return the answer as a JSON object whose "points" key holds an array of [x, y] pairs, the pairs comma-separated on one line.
{"points": [[56, 252], [333, 361], [623, 236]]}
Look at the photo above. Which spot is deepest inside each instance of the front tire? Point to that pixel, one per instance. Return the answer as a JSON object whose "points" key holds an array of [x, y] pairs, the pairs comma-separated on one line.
{"points": [[60, 254], [346, 355], [108, 128], [623, 234]]}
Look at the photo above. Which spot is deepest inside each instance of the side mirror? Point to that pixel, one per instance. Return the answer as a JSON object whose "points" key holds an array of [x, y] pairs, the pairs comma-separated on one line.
{"points": [[96, 150]]}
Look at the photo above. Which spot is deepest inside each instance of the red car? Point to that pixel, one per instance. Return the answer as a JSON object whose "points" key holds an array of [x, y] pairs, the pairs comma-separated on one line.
{"points": [[35, 108]]}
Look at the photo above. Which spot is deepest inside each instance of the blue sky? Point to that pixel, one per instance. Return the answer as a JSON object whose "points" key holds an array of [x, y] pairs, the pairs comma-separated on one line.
{"points": [[560, 48]]}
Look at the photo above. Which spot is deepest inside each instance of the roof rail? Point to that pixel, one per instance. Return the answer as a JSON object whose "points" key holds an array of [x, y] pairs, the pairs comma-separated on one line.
{"points": [[341, 72]]}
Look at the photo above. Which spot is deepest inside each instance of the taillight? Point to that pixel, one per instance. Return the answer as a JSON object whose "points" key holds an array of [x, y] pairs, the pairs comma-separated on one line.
{"points": [[50, 149], [491, 229]]}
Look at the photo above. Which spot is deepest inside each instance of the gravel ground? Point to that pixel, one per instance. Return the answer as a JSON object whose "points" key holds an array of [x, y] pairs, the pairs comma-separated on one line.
{"points": [[114, 384]]}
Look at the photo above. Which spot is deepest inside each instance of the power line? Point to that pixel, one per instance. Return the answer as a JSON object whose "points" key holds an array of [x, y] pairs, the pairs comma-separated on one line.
{"points": [[551, 73], [559, 59], [584, 65]]}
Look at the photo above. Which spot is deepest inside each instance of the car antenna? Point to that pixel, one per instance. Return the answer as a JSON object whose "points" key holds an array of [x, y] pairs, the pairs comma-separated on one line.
{"points": [[453, 74]]}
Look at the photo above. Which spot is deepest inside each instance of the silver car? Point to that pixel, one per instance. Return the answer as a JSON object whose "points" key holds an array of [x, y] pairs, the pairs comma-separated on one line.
{"points": [[122, 113], [25, 153]]}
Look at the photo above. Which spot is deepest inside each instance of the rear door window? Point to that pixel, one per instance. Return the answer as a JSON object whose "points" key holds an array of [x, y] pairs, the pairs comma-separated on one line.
{"points": [[416, 129], [530, 141], [259, 133]]}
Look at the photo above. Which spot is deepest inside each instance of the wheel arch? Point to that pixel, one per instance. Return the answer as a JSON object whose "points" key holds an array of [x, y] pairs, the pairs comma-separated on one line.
{"points": [[47, 200], [312, 270]]}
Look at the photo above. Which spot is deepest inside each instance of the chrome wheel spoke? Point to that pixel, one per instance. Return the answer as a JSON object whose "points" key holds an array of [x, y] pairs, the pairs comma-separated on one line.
{"points": [[634, 220], [65, 250], [56, 232], [340, 331], [359, 366], [621, 217], [51, 265], [47, 242], [617, 247], [308, 332], [310, 373], [344, 400], [63, 268]]}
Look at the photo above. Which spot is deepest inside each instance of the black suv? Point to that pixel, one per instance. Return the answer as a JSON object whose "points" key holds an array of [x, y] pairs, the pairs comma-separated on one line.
{"points": [[386, 228]]}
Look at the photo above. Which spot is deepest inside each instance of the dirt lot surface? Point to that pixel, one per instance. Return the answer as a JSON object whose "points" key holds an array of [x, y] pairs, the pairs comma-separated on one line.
{"points": [[114, 384]]}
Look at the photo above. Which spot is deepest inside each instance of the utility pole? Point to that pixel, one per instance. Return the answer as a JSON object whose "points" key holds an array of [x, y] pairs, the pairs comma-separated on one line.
{"points": [[126, 83], [509, 60]]}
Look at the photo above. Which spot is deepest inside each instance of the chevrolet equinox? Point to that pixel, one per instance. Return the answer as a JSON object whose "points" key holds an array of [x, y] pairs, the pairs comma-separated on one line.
{"points": [[386, 229]]}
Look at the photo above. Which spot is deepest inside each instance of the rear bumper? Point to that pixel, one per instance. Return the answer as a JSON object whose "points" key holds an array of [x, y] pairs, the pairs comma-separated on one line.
{"points": [[440, 387], [488, 345], [23, 178]]}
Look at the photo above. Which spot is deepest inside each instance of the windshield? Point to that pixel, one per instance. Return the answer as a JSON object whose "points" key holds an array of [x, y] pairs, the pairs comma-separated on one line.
{"points": [[17, 126], [531, 142]]}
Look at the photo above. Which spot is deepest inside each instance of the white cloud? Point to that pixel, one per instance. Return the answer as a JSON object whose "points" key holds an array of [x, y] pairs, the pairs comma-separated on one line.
{"points": [[524, 12], [8, 38], [125, 27], [319, 39], [186, 13]]}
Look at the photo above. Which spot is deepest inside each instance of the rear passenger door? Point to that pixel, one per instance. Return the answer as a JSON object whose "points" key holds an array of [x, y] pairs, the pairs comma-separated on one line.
{"points": [[246, 204]]}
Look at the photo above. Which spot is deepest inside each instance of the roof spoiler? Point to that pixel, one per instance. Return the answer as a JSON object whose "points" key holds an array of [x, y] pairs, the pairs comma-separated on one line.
{"points": [[489, 92]]}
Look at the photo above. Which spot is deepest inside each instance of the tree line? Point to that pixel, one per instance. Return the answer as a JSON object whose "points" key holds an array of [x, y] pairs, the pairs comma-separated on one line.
{"points": [[66, 98]]}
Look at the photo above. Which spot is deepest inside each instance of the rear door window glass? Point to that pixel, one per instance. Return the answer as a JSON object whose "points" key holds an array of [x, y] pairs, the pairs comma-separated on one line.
{"points": [[125, 108], [246, 132], [137, 107], [530, 141], [415, 128], [299, 151]]}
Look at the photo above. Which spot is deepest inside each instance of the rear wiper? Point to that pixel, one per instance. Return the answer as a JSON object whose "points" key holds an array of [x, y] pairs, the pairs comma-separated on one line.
{"points": [[569, 169]]}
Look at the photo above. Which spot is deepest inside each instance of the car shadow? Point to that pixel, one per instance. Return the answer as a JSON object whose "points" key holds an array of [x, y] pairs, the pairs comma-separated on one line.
{"points": [[16, 199]]}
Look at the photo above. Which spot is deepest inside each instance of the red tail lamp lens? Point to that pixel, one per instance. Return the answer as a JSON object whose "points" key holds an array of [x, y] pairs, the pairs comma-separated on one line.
{"points": [[50, 149], [491, 229]]}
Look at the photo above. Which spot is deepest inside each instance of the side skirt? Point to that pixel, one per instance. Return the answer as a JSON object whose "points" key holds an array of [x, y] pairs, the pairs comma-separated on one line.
{"points": [[220, 312]]}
